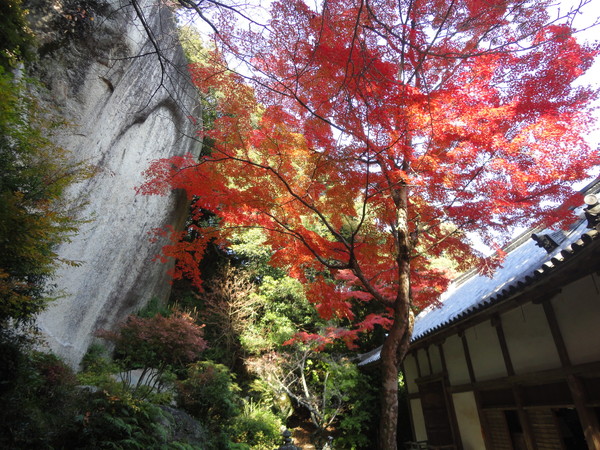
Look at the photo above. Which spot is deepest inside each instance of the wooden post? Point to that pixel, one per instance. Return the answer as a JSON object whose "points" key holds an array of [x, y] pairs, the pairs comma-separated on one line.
{"points": [[410, 410], [559, 342], [429, 360], [510, 371], [482, 420], [497, 323], [587, 416], [467, 356], [449, 401], [416, 356], [524, 419]]}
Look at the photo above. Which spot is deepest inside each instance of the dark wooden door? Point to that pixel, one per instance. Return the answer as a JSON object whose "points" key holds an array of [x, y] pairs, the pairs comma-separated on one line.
{"points": [[435, 412]]}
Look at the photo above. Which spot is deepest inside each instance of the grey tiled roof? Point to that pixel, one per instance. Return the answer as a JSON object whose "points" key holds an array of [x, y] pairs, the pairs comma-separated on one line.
{"points": [[370, 357], [523, 265]]}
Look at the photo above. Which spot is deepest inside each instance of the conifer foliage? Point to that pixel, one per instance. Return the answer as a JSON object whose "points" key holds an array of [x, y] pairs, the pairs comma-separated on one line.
{"points": [[367, 137], [34, 218]]}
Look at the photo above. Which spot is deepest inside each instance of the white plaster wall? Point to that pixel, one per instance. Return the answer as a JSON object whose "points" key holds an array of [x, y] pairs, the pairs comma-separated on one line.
{"points": [[436, 360], [468, 421], [529, 340], [485, 351], [410, 373], [578, 313], [423, 363], [418, 420], [458, 372]]}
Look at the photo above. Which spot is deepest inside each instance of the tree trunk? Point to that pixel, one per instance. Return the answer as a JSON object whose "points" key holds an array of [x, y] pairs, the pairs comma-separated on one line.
{"points": [[393, 351], [396, 344]]}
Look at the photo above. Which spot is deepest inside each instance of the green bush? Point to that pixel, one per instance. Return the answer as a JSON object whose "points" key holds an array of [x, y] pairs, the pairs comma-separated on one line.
{"points": [[38, 396], [155, 307], [209, 393], [110, 421], [257, 426], [15, 36], [358, 420], [117, 416], [33, 176], [43, 407]]}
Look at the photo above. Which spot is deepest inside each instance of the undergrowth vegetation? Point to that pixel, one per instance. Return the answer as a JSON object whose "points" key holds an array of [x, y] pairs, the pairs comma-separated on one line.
{"points": [[148, 384], [47, 405]]}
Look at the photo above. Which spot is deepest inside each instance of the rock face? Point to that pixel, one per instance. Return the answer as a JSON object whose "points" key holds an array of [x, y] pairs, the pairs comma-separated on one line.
{"points": [[181, 427], [126, 107]]}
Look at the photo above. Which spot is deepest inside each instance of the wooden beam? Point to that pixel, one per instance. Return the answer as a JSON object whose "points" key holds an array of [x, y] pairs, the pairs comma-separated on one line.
{"points": [[559, 342], [467, 357], [450, 402], [486, 438], [497, 323], [443, 360], [416, 356], [429, 378], [539, 377], [429, 360], [409, 398], [587, 416]]}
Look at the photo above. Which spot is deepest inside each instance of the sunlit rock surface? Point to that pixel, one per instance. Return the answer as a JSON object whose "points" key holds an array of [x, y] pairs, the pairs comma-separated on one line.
{"points": [[125, 109]]}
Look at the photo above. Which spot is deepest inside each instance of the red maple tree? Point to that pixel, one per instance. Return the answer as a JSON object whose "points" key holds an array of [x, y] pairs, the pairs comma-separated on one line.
{"points": [[371, 136]]}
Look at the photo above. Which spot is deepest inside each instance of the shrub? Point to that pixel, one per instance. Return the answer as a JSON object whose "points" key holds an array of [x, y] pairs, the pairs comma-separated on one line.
{"points": [[110, 421], [97, 361], [175, 340], [98, 371], [330, 388], [257, 426], [153, 307], [209, 393], [37, 394], [357, 421], [16, 38], [34, 174], [155, 345], [116, 416]]}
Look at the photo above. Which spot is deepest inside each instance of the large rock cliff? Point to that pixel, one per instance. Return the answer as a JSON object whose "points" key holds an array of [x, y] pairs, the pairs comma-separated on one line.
{"points": [[127, 105]]}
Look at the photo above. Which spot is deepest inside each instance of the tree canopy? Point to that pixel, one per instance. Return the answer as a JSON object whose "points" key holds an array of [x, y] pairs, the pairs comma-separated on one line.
{"points": [[368, 138]]}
